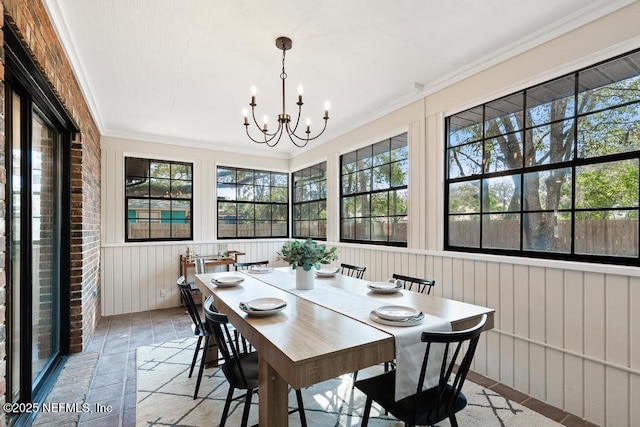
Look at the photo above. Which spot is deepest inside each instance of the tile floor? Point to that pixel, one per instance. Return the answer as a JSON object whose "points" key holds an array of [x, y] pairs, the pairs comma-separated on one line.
{"points": [[112, 349], [104, 376]]}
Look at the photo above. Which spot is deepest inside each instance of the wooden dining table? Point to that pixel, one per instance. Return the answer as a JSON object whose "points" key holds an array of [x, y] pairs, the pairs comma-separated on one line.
{"points": [[322, 333]]}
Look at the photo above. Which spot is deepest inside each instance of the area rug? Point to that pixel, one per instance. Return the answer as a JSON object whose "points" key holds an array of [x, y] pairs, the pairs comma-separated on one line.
{"points": [[165, 397]]}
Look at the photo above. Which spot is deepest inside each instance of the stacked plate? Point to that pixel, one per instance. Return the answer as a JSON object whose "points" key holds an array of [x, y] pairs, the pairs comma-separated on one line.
{"points": [[327, 272], [227, 281], [260, 270], [397, 315], [390, 287], [263, 306]]}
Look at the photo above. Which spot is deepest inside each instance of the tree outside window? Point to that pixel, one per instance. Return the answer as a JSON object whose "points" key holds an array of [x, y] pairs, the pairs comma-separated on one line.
{"points": [[158, 200], [310, 202], [550, 171], [374, 193], [252, 203]]}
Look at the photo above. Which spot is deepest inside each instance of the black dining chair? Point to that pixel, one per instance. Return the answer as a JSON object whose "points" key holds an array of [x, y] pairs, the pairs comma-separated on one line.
{"points": [[422, 285], [352, 270], [249, 264], [239, 368], [199, 328], [428, 407]]}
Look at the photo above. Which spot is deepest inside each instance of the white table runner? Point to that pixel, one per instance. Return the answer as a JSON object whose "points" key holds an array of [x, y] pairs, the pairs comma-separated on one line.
{"points": [[410, 353], [409, 348]]}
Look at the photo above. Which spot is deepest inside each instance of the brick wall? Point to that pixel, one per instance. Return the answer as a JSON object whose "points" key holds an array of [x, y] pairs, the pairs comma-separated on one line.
{"points": [[31, 22]]}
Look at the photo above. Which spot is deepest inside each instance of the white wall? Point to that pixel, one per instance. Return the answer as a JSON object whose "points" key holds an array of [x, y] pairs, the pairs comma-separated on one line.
{"points": [[565, 333], [141, 276]]}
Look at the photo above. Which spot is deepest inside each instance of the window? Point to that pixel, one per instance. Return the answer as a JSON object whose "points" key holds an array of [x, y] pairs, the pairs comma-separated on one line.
{"points": [[310, 202], [373, 202], [551, 171], [158, 200], [252, 203]]}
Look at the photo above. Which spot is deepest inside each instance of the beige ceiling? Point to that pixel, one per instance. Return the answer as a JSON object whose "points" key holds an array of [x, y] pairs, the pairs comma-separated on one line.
{"points": [[180, 71]]}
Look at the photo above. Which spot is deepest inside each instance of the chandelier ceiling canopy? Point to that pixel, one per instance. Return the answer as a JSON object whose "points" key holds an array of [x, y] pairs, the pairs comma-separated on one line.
{"points": [[284, 119]]}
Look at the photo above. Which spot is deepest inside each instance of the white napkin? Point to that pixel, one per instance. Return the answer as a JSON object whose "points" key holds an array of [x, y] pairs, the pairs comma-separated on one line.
{"points": [[410, 352]]}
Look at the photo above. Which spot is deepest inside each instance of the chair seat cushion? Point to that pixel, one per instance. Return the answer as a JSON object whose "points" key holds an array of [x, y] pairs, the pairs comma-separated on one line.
{"points": [[381, 389]]}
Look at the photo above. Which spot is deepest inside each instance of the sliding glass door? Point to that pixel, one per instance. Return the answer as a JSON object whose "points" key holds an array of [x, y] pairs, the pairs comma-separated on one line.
{"points": [[37, 216], [15, 248], [34, 245], [45, 194]]}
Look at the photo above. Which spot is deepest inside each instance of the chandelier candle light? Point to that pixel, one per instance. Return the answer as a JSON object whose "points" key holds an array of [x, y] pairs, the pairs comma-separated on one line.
{"points": [[284, 120]]}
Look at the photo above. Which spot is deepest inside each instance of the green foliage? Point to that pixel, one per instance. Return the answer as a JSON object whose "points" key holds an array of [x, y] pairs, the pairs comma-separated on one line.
{"points": [[375, 178], [464, 197], [607, 186], [307, 254]]}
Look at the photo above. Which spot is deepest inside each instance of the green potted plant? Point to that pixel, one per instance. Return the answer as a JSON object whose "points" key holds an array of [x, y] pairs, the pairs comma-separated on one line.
{"points": [[305, 255]]}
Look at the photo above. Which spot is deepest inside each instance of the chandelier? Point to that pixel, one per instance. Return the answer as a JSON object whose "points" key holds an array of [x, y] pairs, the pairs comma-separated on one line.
{"points": [[284, 120]]}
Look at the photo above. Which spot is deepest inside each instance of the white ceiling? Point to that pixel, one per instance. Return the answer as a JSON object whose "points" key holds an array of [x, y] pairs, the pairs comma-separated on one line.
{"points": [[180, 71]]}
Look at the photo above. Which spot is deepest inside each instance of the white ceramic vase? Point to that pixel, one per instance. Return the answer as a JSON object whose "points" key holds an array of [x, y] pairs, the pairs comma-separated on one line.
{"points": [[304, 279]]}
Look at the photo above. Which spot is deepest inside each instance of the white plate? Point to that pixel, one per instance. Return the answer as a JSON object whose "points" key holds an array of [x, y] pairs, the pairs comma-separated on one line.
{"points": [[413, 322], [227, 281], [266, 303], [395, 312], [260, 270], [262, 313], [384, 287], [327, 272], [263, 306]]}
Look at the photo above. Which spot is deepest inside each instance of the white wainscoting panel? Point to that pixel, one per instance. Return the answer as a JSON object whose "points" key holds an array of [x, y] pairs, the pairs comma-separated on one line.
{"points": [[143, 277]]}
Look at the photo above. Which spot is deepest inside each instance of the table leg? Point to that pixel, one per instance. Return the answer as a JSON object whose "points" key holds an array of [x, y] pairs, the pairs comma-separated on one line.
{"points": [[273, 408]]}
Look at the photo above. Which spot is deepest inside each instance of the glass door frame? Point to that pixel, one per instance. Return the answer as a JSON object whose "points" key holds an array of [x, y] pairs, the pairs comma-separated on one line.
{"points": [[23, 77]]}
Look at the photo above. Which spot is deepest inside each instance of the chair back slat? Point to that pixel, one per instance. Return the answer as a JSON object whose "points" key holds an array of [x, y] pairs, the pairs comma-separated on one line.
{"points": [[248, 264], [219, 325], [352, 270], [453, 344], [187, 299], [422, 285]]}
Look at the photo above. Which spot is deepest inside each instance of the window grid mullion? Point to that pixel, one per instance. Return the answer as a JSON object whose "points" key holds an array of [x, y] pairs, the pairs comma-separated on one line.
{"points": [[370, 218], [144, 176], [598, 151]]}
